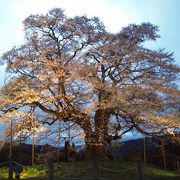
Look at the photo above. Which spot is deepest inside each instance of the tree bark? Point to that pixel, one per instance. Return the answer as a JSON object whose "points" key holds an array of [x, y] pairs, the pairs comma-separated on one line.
{"points": [[97, 141], [94, 151]]}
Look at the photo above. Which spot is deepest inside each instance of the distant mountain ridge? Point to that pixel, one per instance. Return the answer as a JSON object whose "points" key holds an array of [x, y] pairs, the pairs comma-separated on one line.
{"points": [[126, 150]]}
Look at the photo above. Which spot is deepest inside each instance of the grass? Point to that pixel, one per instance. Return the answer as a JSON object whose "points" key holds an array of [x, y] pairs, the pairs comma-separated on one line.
{"points": [[161, 174], [83, 169]]}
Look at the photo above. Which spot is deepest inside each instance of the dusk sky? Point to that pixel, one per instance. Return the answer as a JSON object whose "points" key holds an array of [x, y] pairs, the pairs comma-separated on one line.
{"points": [[114, 13]]}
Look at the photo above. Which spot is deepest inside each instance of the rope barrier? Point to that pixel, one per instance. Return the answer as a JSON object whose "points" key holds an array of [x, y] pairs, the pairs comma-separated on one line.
{"points": [[69, 168], [4, 163], [112, 170], [71, 178], [19, 164]]}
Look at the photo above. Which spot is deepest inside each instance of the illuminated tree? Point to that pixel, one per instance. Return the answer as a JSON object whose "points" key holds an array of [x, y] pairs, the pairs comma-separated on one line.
{"points": [[73, 70]]}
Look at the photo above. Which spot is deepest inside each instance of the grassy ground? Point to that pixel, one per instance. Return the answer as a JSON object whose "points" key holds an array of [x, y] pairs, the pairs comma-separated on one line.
{"points": [[83, 170]]}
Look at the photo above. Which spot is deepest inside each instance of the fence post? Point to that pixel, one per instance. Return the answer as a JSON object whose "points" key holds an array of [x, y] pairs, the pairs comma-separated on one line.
{"points": [[177, 165], [95, 170], [10, 169], [10, 153], [50, 171], [140, 170]]}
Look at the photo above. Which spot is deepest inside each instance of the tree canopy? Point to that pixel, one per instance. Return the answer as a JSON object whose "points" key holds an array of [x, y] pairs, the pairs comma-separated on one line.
{"points": [[71, 69]]}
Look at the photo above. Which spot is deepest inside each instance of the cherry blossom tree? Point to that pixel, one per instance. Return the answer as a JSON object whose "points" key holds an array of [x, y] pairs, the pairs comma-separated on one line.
{"points": [[71, 69]]}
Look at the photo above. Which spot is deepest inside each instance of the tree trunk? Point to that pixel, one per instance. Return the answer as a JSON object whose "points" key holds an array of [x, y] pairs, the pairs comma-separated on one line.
{"points": [[97, 141], [94, 151], [95, 145]]}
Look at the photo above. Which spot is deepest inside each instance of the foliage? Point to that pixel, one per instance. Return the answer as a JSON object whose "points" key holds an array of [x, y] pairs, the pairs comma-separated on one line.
{"points": [[73, 70]]}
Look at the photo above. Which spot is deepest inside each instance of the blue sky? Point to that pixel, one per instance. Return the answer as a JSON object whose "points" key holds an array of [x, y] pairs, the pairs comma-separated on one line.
{"points": [[114, 13]]}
